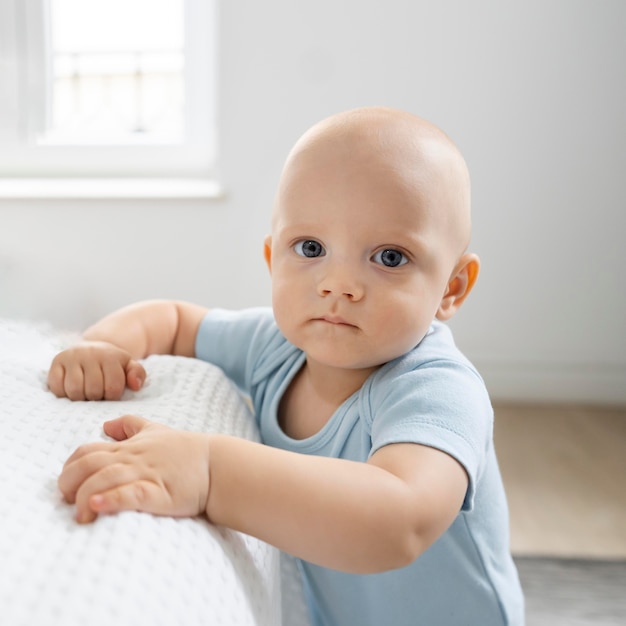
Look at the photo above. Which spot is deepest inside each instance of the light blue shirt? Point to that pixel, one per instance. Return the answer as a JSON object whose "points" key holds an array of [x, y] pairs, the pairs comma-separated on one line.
{"points": [[431, 396]]}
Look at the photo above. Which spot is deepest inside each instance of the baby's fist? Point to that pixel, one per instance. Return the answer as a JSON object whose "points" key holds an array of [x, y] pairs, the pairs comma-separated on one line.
{"points": [[94, 370]]}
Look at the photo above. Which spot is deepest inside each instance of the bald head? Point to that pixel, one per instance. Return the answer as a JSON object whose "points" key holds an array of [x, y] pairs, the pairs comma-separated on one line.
{"points": [[401, 150]]}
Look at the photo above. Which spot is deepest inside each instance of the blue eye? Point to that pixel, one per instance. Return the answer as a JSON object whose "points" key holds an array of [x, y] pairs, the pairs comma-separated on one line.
{"points": [[309, 248], [390, 258]]}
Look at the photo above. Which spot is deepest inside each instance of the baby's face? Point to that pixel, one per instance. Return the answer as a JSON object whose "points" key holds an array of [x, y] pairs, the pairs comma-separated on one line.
{"points": [[360, 257]]}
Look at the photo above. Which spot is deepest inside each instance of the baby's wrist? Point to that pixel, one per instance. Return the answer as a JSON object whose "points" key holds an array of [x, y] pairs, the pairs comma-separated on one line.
{"points": [[212, 443], [218, 487]]}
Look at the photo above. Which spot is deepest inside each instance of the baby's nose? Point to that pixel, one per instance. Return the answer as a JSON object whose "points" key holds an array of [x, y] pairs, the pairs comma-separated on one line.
{"points": [[342, 281]]}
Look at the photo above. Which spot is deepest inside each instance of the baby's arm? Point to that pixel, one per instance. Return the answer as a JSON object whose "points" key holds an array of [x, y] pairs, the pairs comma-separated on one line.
{"points": [[351, 516], [105, 362], [346, 515]]}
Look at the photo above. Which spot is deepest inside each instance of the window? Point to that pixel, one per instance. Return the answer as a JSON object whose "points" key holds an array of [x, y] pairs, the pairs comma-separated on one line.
{"points": [[107, 89]]}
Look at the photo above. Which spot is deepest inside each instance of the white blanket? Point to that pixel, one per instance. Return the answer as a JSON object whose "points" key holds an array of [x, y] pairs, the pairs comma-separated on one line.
{"points": [[131, 568]]}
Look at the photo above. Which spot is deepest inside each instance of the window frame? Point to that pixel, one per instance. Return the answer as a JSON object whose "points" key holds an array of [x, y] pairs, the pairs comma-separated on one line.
{"points": [[22, 80]]}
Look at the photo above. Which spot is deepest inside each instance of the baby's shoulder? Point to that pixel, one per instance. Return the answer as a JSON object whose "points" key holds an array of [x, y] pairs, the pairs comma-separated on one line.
{"points": [[433, 359], [433, 378]]}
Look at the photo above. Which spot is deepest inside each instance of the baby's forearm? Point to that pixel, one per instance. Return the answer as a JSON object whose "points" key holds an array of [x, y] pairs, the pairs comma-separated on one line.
{"points": [[150, 327], [340, 514]]}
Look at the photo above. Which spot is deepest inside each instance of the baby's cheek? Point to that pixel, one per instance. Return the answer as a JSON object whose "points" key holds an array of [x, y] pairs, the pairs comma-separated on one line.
{"points": [[403, 329]]}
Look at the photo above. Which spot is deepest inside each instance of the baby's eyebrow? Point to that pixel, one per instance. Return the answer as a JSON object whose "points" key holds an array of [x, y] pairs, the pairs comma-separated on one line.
{"points": [[419, 247], [310, 230]]}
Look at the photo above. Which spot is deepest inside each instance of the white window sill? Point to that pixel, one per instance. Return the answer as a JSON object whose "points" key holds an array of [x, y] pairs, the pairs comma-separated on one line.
{"points": [[109, 188]]}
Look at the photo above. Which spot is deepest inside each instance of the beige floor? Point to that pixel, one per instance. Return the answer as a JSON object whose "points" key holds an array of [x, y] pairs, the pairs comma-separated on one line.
{"points": [[564, 470]]}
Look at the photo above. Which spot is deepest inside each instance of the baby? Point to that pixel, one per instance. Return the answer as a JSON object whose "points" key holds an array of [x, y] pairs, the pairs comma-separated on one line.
{"points": [[377, 468]]}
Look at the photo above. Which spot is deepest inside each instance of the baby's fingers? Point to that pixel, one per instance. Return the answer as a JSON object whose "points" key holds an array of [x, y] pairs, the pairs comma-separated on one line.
{"points": [[67, 380], [135, 375], [82, 464], [93, 382], [114, 380], [139, 495], [103, 492], [56, 377], [88, 449]]}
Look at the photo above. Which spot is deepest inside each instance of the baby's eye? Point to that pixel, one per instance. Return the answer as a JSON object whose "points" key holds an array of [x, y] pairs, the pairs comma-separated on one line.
{"points": [[309, 248], [390, 258]]}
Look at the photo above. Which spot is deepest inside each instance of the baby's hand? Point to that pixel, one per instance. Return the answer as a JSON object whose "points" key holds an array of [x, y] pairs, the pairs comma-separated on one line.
{"points": [[149, 468], [94, 370]]}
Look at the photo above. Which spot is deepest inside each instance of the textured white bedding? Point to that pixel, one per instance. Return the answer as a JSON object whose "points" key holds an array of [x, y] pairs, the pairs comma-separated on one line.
{"points": [[132, 568]]}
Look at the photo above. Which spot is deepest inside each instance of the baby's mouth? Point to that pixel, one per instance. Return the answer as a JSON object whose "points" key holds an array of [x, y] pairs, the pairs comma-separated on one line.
{"points": [[335, 320]]}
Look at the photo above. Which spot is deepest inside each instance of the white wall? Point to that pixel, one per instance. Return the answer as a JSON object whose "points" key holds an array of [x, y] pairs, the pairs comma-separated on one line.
{"points": [[533, 92]]}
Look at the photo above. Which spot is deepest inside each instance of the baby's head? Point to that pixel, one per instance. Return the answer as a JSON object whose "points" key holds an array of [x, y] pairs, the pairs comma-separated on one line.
{"points": [[369, 235]]}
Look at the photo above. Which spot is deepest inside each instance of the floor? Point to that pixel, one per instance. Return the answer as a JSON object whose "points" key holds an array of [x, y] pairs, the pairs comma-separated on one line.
{"points": [[564, 469], [573, 592]]}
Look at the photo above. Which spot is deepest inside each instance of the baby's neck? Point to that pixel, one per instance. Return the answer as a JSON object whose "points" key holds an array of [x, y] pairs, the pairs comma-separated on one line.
{"points": [[314, 395]]}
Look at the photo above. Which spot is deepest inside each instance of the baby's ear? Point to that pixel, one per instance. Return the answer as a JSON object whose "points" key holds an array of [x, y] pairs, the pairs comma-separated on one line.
{"points": [[459, 286], [267, 252]]}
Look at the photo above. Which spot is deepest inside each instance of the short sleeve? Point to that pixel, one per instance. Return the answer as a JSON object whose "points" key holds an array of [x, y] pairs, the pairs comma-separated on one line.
{"points": [[239, 342], [442, 404], [247, 345]]}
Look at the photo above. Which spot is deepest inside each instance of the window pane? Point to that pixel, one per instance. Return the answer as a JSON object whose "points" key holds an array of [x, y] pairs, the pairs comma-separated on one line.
{"points": [[116, 72]]}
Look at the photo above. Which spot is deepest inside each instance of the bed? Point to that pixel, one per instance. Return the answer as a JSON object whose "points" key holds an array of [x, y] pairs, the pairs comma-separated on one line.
{"points": [[132, 568]]}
